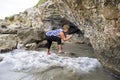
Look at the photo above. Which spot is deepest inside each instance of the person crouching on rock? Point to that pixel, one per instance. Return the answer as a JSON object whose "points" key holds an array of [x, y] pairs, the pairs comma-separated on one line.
{"points": [[56, 35]]}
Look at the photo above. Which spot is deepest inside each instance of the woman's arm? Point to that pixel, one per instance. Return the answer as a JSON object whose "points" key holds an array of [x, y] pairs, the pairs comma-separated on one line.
{"points": [[62, 35]]}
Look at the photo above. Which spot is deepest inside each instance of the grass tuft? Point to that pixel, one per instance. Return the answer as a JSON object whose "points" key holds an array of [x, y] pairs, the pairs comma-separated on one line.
{"points": [[40, 2]]}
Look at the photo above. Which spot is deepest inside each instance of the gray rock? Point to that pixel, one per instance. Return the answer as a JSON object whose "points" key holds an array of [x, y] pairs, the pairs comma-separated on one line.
{"points": [[7, 42], [31, 46], [28, 36], [1, 58], [59, 73]]}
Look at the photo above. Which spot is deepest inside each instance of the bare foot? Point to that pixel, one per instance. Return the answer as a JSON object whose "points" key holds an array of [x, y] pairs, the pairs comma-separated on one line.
{"points": [[61, 52], [49, 53]]}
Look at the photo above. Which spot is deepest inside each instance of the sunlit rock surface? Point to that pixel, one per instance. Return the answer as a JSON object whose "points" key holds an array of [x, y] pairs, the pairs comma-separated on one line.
{"points": [[8, 42]]}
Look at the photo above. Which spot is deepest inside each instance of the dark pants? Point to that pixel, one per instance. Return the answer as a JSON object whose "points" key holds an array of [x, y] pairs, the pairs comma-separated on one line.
{"points": [[52, 38]]}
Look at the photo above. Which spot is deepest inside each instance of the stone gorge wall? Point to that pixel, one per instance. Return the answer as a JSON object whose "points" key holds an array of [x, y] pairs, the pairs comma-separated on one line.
{"points": [[99, 20]]}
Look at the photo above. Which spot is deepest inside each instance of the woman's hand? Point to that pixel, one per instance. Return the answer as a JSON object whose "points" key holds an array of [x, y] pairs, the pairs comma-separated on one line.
{"points": [[65, 38], [70, 36]]}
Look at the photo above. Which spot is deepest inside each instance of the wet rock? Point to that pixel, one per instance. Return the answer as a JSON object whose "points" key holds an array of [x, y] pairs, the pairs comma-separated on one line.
{"points": [[1, 58], [8, 42], [31, 46], [60, 73]]}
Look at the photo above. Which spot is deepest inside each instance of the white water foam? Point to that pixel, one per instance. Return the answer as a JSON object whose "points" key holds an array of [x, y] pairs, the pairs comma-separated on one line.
{"points": [[34, 61]]}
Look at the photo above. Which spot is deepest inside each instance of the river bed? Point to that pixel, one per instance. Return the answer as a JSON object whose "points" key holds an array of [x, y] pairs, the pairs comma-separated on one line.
{"points": [[37, 65]]}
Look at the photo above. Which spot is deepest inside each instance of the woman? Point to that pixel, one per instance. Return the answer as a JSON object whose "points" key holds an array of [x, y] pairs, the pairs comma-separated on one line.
{"points": [[56, 35]]}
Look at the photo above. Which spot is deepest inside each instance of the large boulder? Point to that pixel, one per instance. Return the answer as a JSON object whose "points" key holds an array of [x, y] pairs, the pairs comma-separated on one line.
{"points": [[30, 37], [8, 42], [37, 65], [60, 73]]}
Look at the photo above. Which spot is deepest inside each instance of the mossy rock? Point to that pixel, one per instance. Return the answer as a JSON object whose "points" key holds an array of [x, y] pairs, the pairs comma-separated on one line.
{"points": [[40, 2]]}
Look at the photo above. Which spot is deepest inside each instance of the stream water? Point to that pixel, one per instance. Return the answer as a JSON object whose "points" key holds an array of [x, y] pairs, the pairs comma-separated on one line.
{"points": [[27, 65]]}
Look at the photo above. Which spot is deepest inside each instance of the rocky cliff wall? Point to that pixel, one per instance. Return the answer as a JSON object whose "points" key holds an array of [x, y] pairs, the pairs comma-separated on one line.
{"points": [[100, 21]]}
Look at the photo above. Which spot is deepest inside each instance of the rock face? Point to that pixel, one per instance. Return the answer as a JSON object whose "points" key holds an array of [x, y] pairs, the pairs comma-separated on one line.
{"points": [[27, 27], [60, 74], [99, 20], [8, 42], [31, 35]]}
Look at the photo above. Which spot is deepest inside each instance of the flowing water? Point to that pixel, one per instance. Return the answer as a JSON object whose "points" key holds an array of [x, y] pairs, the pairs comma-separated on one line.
{"points": [[28, 65]]}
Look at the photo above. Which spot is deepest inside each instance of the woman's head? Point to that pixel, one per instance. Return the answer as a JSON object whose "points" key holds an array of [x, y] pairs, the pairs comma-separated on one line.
{"points": [[66, 28]]}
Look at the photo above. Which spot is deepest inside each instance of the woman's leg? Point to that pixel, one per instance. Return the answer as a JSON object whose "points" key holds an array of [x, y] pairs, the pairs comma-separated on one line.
{"points": [[49, 42], [59, 48], [59, 42], [48, 46]]}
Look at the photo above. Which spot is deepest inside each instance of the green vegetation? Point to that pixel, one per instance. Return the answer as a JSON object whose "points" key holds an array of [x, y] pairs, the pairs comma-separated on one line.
{"points": [[40, 2], [11, 18]]}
